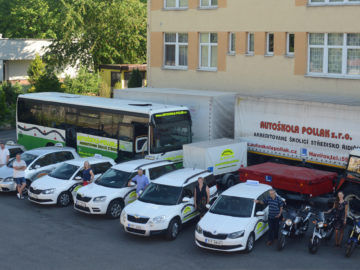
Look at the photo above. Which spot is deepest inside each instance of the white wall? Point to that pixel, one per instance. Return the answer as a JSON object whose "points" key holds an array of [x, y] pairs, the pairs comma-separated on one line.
{"points": [[17, 70], [1, 70]]}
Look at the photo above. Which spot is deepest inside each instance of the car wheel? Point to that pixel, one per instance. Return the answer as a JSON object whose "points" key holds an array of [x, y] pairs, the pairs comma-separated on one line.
{"points": [[173, 229], [114, 209], [64, 199], [250, 242]]}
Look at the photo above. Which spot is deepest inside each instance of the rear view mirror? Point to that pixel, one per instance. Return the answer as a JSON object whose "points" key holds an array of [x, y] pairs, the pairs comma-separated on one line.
{"points": [[208, 206], [141, 144], [37, 166], [260, 213], [186, 199], [78, 178], [132, 184]]}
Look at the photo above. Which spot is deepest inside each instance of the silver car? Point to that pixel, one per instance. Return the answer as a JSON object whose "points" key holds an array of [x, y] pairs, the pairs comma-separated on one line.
{"points": [[39, 161]]}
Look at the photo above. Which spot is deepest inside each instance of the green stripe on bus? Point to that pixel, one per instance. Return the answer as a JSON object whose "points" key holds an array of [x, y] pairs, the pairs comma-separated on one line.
{"points": [[31, 142]]}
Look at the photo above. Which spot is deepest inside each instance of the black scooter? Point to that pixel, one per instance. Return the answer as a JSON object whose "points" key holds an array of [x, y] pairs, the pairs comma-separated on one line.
{"points": [[354, 237], [294, 224], [323, 229]]}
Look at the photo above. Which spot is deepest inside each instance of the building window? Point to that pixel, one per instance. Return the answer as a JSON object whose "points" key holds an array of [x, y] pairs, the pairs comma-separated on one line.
{"points": [[270, 43], [208, 51], [175, 50], [333, 2], [175, 4], [335, 55], [290, 44], [208, 3], [250, 43], [231, 43]]}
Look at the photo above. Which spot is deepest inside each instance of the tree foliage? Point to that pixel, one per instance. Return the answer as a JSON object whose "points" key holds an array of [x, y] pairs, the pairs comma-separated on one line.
{"points": [[84, 83], [135, 79], [48, 82], [35, 70]]}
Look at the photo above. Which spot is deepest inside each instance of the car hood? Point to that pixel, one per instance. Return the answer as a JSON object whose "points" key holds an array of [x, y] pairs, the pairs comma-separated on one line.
{"points": [[5, 172], [47, 182], [149, 210], [223, 224], [93, 190]]}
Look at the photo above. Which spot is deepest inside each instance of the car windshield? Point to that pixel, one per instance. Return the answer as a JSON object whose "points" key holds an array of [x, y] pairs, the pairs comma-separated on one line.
{"points": [[114, 178], [64, 171], [233, 206], [161, 194], [28, 158]]}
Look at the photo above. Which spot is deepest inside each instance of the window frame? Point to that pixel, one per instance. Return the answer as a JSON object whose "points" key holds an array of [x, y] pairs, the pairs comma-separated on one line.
{"points": [[177, 51], [269, 53], [248, 52], [325, 64], [328, 3], [210, 6], [209, 44], [231, 39], [177, 6], [288, 53]]}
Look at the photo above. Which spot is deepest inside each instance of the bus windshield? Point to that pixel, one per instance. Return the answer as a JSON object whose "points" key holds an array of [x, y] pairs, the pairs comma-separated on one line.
{"points": [[171, 132]]}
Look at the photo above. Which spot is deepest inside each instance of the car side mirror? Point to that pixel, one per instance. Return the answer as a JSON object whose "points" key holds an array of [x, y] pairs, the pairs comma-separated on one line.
{"points": [[208, 206], [132, 184], [78, 178], [260, 213], [186, 199], [37, 167]]}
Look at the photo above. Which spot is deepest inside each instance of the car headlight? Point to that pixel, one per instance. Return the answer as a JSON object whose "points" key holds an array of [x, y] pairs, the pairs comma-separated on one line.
{"points": [[159, 219], [123, 217], [236, 235], [8, 180], [100, 199], [288, 222], [48, 191], [320, 224], [199, 229]]}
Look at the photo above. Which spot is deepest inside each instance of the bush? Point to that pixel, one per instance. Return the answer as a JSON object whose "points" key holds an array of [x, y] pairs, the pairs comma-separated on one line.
{"points": [[85, 83], [8, 97], [36, 69], [48, 82], [135, 79]]}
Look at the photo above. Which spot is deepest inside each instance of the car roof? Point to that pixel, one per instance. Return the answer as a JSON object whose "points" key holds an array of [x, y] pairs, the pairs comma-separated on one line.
{"points": [[247, 190], [178, 178], [49, 149], [92, 160], [140, 163]]}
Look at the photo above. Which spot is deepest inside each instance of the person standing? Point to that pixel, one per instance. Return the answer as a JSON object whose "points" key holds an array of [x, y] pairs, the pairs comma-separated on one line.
{"points": [[275, 204], [201, 196], [19, 167], [340, 208], [4, 154], [87, 174], [141, 181]]}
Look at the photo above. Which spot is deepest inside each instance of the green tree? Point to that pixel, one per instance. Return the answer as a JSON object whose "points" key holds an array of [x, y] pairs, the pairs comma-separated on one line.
{"points": [[48, 82], [101, 31], [135, 79], [36, 69], [84, 83]]}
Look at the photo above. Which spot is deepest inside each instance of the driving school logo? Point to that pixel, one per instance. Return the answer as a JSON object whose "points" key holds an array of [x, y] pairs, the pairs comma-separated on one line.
{"points": [[227, 154]]}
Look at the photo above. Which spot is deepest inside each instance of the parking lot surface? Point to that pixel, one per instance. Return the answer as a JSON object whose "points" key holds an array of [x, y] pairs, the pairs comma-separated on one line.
{"points": [[36, 237]]}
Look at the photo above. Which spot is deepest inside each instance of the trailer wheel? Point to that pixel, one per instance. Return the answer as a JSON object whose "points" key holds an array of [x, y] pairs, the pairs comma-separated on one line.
{"points": [[228, 180]]}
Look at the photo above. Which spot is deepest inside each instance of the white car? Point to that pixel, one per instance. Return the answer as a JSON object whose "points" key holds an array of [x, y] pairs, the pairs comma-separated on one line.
{"points": [[234, 222], [110, 193], [39, 161], [57, 186], [166, 204]]}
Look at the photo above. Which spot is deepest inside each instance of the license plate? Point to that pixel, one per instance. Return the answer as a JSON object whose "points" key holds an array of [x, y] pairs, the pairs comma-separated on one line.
{"points": [[82, 204], [213, 242], [135, 226]]}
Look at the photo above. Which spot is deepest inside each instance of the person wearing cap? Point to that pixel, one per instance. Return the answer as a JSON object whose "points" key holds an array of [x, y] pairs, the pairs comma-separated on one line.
{"points": [[141, 181], [4, 154]]}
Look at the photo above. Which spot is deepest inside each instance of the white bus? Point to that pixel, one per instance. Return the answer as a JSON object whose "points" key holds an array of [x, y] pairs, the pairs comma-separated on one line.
{"points": [[120, 129]]}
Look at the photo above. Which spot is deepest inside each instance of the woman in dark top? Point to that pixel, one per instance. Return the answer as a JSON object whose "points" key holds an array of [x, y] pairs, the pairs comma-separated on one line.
{"points": [[87, 174], [201, 196], [340, 209]]}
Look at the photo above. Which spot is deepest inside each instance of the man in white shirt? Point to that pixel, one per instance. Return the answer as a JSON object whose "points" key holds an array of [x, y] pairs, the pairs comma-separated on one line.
{"points": [[4, 154], [19, 167]]}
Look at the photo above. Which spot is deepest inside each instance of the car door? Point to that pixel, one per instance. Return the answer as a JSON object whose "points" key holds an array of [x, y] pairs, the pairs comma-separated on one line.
{"points": [[130, 195], [42, 166], [188, 210], [261, 222]]}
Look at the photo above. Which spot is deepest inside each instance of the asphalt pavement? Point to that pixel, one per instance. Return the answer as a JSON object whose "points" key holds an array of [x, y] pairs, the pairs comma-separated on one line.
{"points": [[36, 237]]}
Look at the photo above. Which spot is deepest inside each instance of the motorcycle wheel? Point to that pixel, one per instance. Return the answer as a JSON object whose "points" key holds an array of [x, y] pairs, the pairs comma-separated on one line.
{"points": [[349, 249], [314, 245], [281, 242]]}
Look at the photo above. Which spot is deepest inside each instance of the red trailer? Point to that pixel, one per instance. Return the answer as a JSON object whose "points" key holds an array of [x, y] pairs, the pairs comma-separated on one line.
{"points": [[291, 178]]}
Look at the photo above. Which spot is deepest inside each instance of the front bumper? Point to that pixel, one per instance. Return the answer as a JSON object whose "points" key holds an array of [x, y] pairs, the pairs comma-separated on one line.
{"points": [[91, 207], [226, 245], [7, 186], [148, 229], [42, 198]]}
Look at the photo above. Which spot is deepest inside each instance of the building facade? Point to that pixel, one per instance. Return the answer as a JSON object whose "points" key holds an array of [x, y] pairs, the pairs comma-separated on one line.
{"points": [[255, 46]]}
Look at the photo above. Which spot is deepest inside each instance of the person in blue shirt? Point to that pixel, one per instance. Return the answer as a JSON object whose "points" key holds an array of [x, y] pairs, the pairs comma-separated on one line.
{"points": [[141, 181], [275, 204]]}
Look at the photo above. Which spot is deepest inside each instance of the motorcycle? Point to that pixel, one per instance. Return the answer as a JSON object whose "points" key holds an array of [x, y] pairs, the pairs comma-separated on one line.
{"points": [[354, 237], [295, 224], [323, 229]]}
